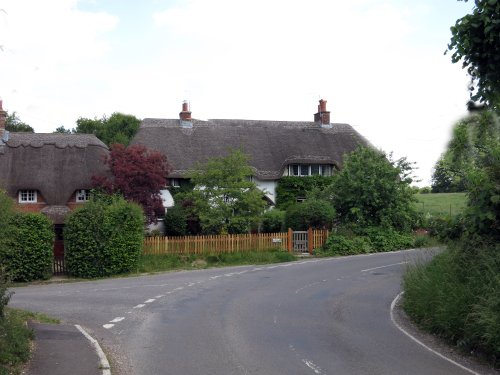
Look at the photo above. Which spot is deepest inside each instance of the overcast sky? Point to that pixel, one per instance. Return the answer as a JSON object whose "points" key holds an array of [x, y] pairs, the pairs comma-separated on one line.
{"points": [[378, 63]]}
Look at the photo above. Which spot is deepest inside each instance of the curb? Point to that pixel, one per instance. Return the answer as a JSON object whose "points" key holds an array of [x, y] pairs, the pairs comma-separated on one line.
{"points": [[103, 361]]}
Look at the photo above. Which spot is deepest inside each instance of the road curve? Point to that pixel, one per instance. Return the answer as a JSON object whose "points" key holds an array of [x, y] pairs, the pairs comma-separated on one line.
{"points": [[318, 316]]}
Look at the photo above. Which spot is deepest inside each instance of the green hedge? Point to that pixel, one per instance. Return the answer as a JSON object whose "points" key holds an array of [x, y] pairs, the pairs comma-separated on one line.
{"points": [[367, 240], [273, 221], [29, 247], [312, 213], [176, 221], [104, 238]]}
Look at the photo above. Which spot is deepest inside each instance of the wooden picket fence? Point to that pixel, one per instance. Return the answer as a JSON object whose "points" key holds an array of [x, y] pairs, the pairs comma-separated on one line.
{"points": [[230, 243]]}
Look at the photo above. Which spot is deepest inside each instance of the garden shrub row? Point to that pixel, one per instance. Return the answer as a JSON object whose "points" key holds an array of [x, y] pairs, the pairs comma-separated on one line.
{"points": [[368, 240], [25, 243], [104, 238]]}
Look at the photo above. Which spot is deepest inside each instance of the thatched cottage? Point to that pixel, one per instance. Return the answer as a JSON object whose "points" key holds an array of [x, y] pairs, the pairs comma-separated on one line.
{"points": [[276, 148], [49, 173]]}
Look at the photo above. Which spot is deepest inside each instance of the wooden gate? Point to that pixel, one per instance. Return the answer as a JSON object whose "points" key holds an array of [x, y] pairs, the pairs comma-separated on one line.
{"points": [[58, 266], [301, 241]]}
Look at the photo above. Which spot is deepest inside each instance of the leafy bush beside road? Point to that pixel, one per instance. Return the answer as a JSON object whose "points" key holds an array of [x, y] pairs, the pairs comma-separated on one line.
{"points": [[30, 242], [104, 237]]}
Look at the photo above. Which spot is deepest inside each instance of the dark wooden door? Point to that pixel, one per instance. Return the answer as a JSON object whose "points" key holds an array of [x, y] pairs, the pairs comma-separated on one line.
{"points": [[58, 265]]}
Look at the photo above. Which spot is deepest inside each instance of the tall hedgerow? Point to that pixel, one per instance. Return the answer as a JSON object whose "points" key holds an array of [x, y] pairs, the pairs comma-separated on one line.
{"points": [[104, 237], [29, 247]]}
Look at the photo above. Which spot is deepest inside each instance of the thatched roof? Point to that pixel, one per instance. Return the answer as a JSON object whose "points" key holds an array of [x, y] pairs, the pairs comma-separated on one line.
{"points": [[272, 145], [54, 164]]}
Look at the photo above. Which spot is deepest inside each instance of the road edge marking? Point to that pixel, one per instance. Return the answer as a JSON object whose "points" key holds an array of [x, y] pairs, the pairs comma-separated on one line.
{"points": [[393, 304], [103, 361]]}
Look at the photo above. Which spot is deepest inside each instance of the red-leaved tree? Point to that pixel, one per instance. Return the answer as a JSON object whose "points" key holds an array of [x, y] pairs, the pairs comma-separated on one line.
{"points": [[138, 174]]}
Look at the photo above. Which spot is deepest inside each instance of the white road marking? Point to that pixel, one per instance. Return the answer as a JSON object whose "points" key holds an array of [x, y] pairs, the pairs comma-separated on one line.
{"points": [[179, 288], [139, 306], [116, 320], [388, 265], [159, 296], [191, 284], [108, 326], [103, 361], [312, 366], [393, 304], [150, 300]]}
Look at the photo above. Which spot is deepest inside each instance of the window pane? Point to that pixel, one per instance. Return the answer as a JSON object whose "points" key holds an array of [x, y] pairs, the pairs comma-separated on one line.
{"points": [[315, 169], [295, 170], [326, 170], [304, 170]]}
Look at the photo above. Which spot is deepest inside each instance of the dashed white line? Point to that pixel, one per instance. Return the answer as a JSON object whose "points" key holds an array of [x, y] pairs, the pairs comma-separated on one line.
{"points": [[116, 320], [312, 366], [393, 304], [150, 300], [388, 265], [139, 306], [108, 326]]}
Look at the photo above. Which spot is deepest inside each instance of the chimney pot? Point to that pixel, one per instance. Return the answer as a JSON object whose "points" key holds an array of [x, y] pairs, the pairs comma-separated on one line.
{"points": [[185, 115], [323, 116]]}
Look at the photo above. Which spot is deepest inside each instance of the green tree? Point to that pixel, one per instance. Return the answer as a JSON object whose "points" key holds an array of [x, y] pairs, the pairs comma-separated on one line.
{"points": [[61, 129], [475, 42], [118, 128], [445, 179], [224, 197], [14, 124], [373, 190]]}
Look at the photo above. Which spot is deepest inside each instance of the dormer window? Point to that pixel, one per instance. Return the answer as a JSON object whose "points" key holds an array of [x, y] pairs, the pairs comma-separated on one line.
{"points": [[27, 196], [310, 170], [82, 195]]}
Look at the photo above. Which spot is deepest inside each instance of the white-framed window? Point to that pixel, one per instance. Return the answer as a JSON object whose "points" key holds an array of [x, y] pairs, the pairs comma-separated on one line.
{"points": [[174, 182], [82, 195], [27, 196], [310, 169]]}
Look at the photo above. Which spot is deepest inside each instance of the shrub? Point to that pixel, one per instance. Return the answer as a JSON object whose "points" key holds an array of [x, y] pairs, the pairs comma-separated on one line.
{"points": [[104, 238], [176, 221], [458, 298], [4, 294], [387, 239], [314, 213], [30, 243], [338, 244], [273, 221]]}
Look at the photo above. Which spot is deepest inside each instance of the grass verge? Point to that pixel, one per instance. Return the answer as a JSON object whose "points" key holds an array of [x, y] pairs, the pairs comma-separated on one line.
{"points": [[456, 296], [15, 338], [168, 262]]}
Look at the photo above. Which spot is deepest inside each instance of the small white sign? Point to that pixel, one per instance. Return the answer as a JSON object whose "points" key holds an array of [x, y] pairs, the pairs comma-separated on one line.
{"points": [[276, 240]]}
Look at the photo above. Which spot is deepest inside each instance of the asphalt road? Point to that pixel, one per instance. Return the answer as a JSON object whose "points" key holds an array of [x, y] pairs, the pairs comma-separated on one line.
{"points": [[318, 316]]}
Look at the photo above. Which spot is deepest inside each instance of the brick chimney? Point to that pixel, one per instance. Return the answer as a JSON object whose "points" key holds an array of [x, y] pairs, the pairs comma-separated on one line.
{"points": [[3, 120], [185, 115], [323, 116]]}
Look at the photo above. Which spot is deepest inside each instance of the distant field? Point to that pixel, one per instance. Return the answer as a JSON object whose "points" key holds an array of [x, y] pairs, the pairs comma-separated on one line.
{"points": [[441, 204]]}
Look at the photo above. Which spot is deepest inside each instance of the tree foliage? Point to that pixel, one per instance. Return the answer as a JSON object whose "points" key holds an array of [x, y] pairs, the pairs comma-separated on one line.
{"points": [[475, 42], [14, 124], [292, 187], [445, 179], [62, 130], [138, 174], [118, 128], [475, 149], [373, 190], [224, 197]]}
